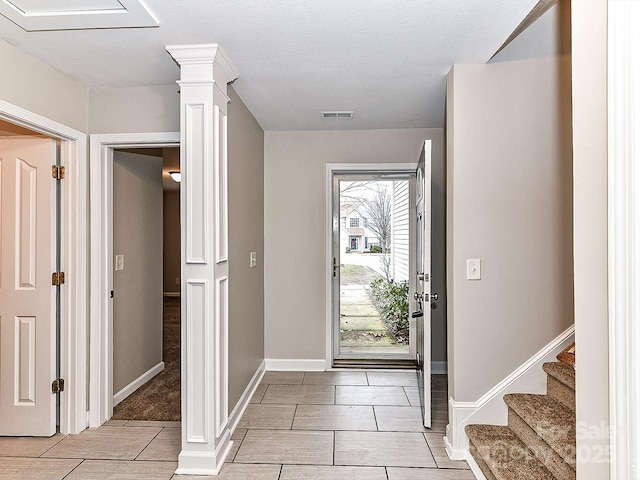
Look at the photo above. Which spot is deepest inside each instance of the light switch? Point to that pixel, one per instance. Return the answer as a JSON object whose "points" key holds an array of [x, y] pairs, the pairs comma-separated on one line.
{"points": [[253, 261], [473, 269], [119, 263]]}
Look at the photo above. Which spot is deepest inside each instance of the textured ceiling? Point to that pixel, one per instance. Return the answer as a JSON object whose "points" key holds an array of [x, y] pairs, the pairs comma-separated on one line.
{"points": [[384, 59]]}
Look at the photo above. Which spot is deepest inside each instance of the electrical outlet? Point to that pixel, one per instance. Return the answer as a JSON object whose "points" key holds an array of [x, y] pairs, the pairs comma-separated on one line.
{"points": [[473, 269]]}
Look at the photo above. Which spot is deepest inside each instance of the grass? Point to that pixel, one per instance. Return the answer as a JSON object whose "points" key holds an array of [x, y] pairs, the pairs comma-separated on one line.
{"points": [[353, 270]]}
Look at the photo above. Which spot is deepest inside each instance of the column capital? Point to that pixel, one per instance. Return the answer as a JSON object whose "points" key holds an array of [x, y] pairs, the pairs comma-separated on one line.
{"points": [[202, 55]]}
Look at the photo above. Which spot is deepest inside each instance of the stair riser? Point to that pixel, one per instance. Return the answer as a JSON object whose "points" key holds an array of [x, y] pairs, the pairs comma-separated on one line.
{"points": [[549, 458], [561, 392]]}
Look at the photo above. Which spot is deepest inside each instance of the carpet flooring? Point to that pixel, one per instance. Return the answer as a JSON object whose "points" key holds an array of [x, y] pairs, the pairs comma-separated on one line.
{"points": [[159, 398]]}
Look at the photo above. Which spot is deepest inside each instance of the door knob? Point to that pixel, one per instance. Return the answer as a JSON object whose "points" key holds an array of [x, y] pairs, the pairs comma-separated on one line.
{"points": [[435, 296], [418, 296]]}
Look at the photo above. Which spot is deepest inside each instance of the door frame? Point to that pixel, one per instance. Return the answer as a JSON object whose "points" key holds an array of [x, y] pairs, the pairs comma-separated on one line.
{"points": [[101, 323], [74, 254], [330, 171]]}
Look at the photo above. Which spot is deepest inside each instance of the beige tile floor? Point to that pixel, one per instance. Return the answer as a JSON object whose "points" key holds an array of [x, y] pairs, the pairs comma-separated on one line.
{"points": [[352, 425]]}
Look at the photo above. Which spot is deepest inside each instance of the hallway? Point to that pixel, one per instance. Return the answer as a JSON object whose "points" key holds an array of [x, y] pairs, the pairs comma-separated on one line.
{"points": [[334, 425]]}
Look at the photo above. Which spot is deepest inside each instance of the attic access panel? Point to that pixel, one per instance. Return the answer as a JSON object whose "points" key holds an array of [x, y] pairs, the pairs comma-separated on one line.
{"points": [[39, 15]]}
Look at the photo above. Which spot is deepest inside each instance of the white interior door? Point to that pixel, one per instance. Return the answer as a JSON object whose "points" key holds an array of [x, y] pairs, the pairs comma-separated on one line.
{"points": [[27, 298], [423, 297]]}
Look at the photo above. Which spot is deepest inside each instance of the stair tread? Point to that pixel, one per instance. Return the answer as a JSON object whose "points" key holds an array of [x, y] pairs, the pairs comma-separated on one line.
{"points": [[505, 454], [561, 372], [552, 421]]}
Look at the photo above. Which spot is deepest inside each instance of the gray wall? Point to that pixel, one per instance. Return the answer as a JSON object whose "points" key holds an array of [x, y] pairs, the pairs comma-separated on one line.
{"points": [[509, 179], [295, 185], [35, 86], [548, 36], [138, 110], [246, 234], [171, 240], [137, 233]]}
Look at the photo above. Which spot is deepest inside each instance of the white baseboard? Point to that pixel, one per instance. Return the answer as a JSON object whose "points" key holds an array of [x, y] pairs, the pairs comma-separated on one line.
{"points": [[295, 365], [137, 383], [439, 368], [171, 294], [490, 408], [245, 398]]}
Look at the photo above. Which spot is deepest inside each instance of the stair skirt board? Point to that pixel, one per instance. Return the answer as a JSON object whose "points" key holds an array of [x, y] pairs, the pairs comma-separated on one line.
{"points": [[137, 383], [490, 408], [475, 468]]}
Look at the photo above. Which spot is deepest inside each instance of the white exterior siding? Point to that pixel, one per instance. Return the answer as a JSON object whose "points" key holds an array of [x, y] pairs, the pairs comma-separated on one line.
{"points": [[400, 231]]}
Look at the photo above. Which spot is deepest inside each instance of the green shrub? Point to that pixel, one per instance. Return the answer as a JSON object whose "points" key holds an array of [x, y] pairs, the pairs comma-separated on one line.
{"points": [[392, 301], [375, 249]]}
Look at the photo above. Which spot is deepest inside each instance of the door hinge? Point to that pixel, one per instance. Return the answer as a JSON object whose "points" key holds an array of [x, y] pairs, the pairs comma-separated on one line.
{"points": [[57, 386], [57, 172], [57, 279]]}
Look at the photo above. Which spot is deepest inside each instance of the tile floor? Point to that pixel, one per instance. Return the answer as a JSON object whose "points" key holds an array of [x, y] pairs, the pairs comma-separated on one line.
{"points": [[353, 425]]}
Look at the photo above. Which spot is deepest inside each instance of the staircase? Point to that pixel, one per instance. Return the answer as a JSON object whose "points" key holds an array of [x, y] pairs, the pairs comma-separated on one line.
{"points": [[539, 441]]}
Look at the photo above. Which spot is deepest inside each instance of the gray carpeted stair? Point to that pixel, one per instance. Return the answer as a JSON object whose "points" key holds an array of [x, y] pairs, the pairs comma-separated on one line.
{"points": [[539, 442]]}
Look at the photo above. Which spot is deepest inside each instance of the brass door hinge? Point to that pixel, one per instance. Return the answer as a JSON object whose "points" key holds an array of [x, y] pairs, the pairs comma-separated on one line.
{"points": [[57, 386], [57, 172], [57, 279]]}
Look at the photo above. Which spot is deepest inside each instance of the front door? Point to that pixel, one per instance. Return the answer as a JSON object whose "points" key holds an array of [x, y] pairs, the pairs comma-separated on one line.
{"points": [[423, 297], [27, 298], [370, 286]]}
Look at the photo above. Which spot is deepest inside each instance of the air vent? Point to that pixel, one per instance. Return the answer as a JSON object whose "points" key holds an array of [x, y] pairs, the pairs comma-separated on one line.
{"points": [[337, 114]]}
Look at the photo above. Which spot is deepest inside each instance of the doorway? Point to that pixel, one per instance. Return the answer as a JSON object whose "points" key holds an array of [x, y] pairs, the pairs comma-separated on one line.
{"points": [[103, 146], [43, 225], [373, 230], [146, 284]]}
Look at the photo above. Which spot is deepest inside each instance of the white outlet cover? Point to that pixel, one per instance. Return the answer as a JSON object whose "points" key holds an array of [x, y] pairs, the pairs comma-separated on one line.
{"points": [[119, 263]]}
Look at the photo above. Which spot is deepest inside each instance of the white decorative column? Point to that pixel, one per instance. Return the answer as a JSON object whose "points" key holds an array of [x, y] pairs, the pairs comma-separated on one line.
{"points": [[206, 438]]}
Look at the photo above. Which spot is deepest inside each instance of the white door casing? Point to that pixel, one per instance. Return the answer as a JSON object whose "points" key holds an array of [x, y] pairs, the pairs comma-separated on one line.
{"points": [[27, 298], [332, 235], [100, 355], [73, 258], [423, 298]]}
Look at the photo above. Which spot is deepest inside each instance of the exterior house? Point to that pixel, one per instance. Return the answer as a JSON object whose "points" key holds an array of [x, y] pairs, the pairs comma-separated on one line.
{"points": [[355, 234], [567, 263]]}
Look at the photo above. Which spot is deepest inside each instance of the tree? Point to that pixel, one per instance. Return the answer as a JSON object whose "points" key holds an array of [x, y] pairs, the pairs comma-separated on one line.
{"points": [[378, 209]]}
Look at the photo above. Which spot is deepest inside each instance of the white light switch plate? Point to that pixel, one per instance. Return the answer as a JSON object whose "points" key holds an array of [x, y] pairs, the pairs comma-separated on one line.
{"points": [[473, 269], [253, 261], [119, 263]]}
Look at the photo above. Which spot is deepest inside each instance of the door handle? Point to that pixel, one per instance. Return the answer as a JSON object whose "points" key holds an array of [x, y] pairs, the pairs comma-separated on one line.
{"points": [[336, 266], [421, 296], [417, 314]]}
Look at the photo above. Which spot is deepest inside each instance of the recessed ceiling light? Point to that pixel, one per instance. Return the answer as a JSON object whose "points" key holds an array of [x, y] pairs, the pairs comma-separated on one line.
{"points": [[176, 176], [337, 114]]}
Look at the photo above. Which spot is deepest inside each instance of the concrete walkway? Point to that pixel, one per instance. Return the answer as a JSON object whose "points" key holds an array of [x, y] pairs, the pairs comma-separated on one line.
{"points": [[361, 328]]}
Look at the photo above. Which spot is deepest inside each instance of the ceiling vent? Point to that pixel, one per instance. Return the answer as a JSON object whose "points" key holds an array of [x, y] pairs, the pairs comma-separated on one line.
{"points": [[40, 15], [343, 114]]}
